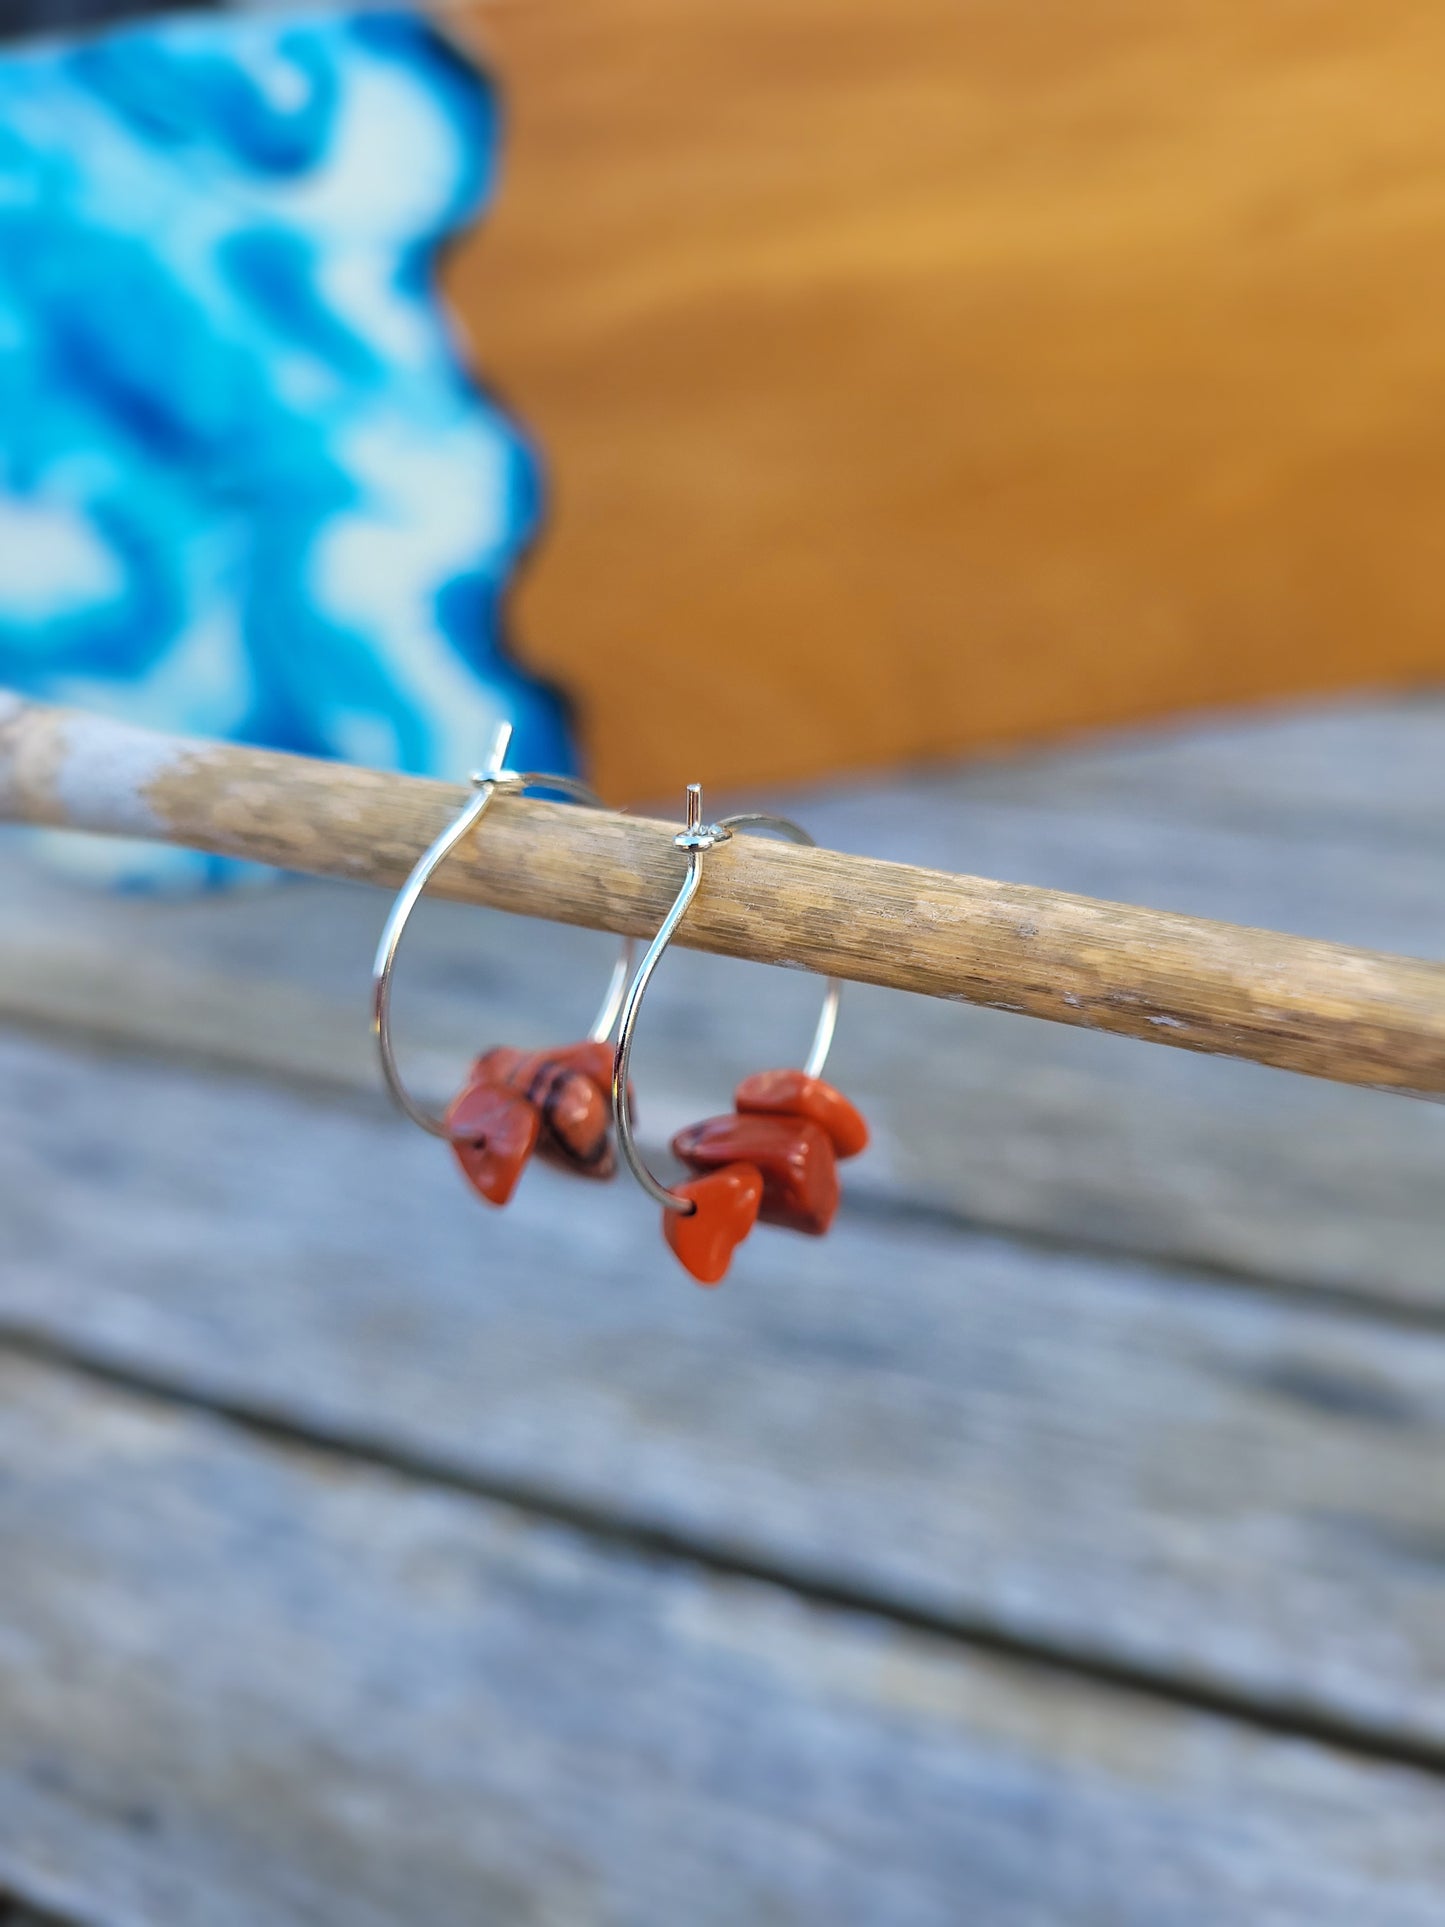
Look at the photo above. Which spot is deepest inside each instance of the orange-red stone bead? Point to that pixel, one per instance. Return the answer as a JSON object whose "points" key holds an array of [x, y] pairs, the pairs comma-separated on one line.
{"points": [[591, 1059], [794, 1155], [727, 1203], [795, 1094], [493, 1134], [570, 1088]]}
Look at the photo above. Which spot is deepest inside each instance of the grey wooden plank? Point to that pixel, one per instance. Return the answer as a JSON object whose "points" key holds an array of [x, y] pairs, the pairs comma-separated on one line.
{"points": [[1211, 1486], [1003, 1121], [239, 1685], [1352, 768]]}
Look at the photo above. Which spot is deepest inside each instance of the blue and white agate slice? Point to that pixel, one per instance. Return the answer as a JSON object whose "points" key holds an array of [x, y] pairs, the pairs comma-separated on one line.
{"points": [[247, 486]]}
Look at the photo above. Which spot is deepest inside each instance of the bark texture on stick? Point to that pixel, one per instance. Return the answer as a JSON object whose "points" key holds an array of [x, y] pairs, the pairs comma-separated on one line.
{"points": [[1354, 1016]]}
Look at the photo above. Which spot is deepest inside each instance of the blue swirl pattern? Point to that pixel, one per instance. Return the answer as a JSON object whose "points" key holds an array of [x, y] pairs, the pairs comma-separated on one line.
{"points": [[247, 489]]}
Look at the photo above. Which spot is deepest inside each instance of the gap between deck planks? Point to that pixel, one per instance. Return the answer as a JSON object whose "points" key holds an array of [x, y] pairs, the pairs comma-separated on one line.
{"points": [[238, 1684], [1326, 823], [1229, 1496], [15, 1912]]}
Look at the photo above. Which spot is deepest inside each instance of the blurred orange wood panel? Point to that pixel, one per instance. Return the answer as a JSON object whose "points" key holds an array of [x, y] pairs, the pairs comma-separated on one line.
{"points": [[926, 374]]}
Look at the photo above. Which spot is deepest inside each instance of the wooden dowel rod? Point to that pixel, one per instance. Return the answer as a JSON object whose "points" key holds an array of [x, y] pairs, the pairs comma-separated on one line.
{"points": [[1353, 1016]]}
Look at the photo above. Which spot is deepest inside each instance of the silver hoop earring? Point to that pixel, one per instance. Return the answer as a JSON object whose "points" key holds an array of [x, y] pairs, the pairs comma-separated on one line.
{"points": [[774, 1156], [514, 1102]]}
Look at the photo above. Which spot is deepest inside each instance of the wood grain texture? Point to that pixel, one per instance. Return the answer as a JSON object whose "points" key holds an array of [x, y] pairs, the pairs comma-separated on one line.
{"points": [[1233, 1493], [240, 1685], [922, 375], [1349, 1015]]}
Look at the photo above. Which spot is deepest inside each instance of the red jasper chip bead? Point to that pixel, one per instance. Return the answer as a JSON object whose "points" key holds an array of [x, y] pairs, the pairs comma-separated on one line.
{"points": [[571, 1089], [794, 1155], [493, 1133], [591, 1059], [727, 1203], [795, 1094]]}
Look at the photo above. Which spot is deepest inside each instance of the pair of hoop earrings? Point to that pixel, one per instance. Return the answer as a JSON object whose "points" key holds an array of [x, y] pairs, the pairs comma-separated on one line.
{"points": [[772, 1160]]}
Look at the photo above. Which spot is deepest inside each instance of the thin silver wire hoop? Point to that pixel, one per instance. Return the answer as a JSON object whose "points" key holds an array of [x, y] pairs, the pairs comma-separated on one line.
{"points": [[488, 781], [696, 840]]}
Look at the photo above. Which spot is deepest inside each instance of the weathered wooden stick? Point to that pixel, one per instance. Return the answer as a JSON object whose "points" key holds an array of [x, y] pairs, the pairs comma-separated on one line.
{"points": [[1354, 1016]]}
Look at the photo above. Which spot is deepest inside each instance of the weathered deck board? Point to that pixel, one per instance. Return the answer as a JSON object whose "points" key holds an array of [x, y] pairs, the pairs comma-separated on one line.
{"points": [[240, 1684], [1238, 1492], [1348, 769], [1326, 825], [1353, 766]]}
